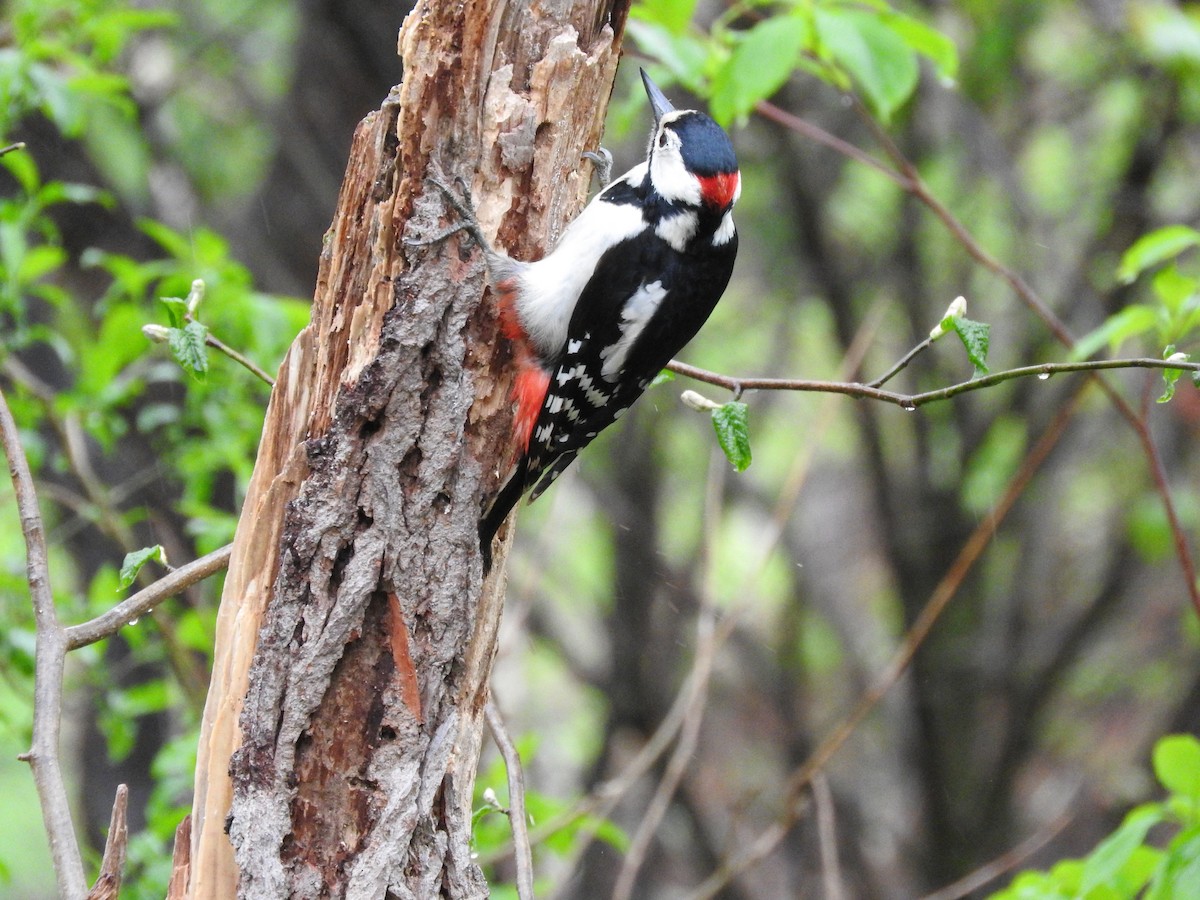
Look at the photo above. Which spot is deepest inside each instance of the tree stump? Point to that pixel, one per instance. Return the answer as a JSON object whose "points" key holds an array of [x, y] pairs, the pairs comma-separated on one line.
{"points": [[356, 631]]}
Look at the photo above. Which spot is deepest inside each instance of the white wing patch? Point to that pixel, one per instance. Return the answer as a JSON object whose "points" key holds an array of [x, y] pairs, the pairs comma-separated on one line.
{"points": [[638, 311], [550, 287]]}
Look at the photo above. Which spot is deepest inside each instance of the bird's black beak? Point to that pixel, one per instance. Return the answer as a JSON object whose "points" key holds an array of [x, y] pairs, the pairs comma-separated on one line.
{"points": [[658, 100]]}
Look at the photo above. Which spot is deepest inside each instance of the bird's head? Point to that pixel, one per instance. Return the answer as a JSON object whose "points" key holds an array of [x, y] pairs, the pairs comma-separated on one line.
{"points": [[690, 158]]}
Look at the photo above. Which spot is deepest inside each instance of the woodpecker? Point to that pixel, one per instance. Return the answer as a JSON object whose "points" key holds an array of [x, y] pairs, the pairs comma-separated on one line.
{"points": [[630, 282]]}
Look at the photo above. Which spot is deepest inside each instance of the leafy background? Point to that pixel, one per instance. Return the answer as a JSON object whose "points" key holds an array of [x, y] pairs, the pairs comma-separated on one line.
{"points": [[204, 140]]}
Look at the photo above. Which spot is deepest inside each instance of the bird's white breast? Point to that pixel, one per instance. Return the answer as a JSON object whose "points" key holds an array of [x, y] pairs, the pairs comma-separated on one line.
{"points": [[550, 287]]}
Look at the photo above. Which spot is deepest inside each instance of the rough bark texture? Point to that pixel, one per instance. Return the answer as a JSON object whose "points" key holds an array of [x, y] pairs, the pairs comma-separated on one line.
{"points": [[356, 633]]}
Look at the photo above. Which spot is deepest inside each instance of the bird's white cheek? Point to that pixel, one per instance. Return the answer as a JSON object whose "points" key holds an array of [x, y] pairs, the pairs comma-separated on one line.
{"points": [[672, 180]]}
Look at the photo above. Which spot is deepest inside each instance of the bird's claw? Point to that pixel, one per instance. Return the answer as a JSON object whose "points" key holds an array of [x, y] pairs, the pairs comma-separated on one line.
{"points": [[602, 162], [461, 205]]}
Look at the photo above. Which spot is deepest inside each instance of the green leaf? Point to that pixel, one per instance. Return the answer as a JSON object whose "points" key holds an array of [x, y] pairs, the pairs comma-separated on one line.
{"points": [[975, 337], [188, 347], [1174, 288], [176, 310], [878, 59], [39, 261], [666, 376], [1178, 876], [134, 561], [1170, 377], [22, 167], [175, 243], [927, 41], [1177, 765], [1106, 863], [730, 421], [1154, 248], [674, 15], [762, 61], [681, 54], [1128, 322]]}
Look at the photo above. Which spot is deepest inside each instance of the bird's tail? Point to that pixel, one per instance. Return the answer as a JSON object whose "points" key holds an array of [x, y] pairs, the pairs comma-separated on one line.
{"points": [[506, 500]]}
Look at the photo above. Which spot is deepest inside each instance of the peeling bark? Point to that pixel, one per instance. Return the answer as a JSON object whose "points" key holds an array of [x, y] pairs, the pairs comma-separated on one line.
{"points": [[356, 632]]}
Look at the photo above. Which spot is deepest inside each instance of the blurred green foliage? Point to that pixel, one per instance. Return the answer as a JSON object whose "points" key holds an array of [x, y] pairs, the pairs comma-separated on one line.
{"points": [[73, 358], [67, 62], [1127, 864]]}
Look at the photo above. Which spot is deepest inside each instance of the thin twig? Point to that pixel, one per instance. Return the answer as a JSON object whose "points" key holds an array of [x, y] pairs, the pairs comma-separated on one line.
{"points": [[109, 623], [522, 850], [902, 364], [604, 798], [112, 866], [702, 665], [50, 654], [947, 588], [912, 401], [917, 187], [909, 178], [821, 136], [108, 516], [1006, 862], [831, 870], [220, 346]]}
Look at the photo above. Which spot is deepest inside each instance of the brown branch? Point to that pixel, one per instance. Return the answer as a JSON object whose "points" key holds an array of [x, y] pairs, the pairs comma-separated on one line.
{"points": [[108, 516], [112, 866], [945, 591], [221, 347], [912, 401], [909, 178], [821, 136], [689, 734], [141, 603], [517, 817], [51, 649], [1006, 862], [831, 870], [917, 187]]}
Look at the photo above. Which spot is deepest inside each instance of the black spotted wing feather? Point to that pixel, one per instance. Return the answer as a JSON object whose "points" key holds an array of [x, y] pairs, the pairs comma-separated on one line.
{"points": [[581, 402]]}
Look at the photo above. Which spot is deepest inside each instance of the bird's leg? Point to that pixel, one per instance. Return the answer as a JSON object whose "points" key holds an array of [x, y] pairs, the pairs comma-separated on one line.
{"points": [[466, 214], [602, 163]]}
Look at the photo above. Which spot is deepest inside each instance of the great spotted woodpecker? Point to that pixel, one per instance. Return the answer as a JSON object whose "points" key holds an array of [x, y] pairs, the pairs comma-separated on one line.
{"points": [[630, 282]]}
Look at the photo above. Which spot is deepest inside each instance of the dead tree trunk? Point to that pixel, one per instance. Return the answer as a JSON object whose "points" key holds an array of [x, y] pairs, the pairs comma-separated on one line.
{"points": [[356, 632]]}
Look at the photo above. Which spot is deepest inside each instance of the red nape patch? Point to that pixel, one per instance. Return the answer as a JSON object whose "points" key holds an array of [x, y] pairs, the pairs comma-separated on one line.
{"points": [[718, 190], [529, 392]]}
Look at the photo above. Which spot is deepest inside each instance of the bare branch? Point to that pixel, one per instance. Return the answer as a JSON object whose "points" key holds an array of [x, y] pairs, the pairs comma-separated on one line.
{"points": [[831, 870], [902, 364], [112, 866], [221, 347], [51, 649], [947, 588], [1006, 862], [702, 667], [821, 136], [912, 401], [109, 623], [909, 178], [516, 800]]}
